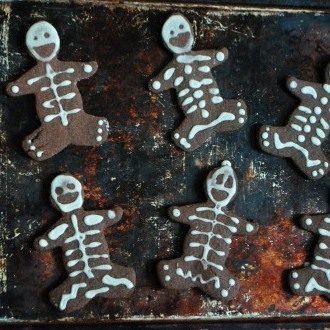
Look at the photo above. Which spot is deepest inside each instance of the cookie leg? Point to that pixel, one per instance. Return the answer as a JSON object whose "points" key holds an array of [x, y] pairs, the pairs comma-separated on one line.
{"points": [[307, 281], [285, 142], [120, 282], [238, 115], [70, 295], [219, 285], [45, 142], [88, 130]]}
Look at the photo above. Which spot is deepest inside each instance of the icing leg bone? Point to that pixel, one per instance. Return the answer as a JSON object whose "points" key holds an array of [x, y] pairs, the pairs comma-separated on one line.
{"points": [[208, 241], [189, 135], [315, 278], [301, 139], [79, 234]]}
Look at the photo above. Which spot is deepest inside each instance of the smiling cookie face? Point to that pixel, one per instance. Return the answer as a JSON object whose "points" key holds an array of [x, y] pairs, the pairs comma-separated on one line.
{"points": [[43, 41], [66, 193], [221, 185], [177, 34]]}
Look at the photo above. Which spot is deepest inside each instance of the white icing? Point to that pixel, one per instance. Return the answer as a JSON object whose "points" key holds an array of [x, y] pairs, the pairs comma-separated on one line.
{"points": [[317, 110], [301, 118], [314, 285], [184, 92], [315, 141], [205, 113], [324, 100], [187, 59], [169, 73], [61, 181], [193, 83], [198, 93], [156, 84], [187, 69], [307, 128], [93, 219], [112, 281], [202, 103], [187, 101], [178, 81], [301, 138], [58, 231], [198, 277], [111, 214], [15, 89], [280, 145], [204, 68], [72, 295], [216, 99], [224, 116], [92, 293], [326, 87], [185, 143], [309, 90], [192, 108], [220, 56], [293, 84], [312, 119], [42, 34], [166, 267], [43, 243], [215, 91], [88, 68], [84, 257], [56, 101], [174, 26], [296, 127], [304, 109], [176, 212]]}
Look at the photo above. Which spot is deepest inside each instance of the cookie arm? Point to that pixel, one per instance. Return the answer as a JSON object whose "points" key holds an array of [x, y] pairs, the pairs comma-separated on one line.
{"points": [[244, 227], [110, 216], [316, 223], [83, 70], [181, 213], [54, 237], [164, 80], [304, 89], [217, 57], [22, 85]]}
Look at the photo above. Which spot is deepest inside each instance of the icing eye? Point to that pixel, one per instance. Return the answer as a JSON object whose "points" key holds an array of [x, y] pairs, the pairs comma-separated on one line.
{"points": [[181, 26], [35, 38], [70, 186], [46, 35], [171, 32], [59, 190]]}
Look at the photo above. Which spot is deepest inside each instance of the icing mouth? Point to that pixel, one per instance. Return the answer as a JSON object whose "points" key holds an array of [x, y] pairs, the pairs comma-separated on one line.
{"points": [[67, 198], [45, 50], [180, 40]]}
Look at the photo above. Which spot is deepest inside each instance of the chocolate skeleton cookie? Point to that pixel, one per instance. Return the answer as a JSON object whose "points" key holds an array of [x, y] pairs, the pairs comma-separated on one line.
{"points": [[308, 126], [189, 73], [314, 278], [208, 242], [86, 258], [58, 100]]}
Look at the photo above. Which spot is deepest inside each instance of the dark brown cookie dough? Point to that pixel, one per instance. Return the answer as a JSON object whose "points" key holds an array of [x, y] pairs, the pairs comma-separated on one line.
{"points": [[208, 241], [86, 258], [315, 278], [58, 100], [189, 73], [308, 126]]}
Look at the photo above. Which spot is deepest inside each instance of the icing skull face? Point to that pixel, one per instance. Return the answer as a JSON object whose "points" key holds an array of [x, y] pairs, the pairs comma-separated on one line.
{"points": [[43, 41], [222, 185], [66, 192], [177, 34]]}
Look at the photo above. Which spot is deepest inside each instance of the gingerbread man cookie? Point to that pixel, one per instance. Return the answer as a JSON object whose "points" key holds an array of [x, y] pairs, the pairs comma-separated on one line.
{"points": [[315, 278], [189, 73], [58, 100], [208, 242], [301, 139], [86, 258]]}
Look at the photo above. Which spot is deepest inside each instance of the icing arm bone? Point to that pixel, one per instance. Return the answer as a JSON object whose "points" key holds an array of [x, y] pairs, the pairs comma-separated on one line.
{"points": [[164, 80], [110, 216], [216, 56], [83, 70], [21, 86], [52, 238], [244, 227]]}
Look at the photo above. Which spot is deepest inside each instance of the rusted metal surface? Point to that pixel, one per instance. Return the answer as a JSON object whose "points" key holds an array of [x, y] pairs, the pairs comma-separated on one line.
{"points": [[141, 170]]}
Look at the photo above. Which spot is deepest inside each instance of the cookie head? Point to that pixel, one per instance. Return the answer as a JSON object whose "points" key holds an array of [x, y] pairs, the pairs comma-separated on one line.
{"points": [[42, 41], [221, 184], [66, 193], [177, 34]]}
